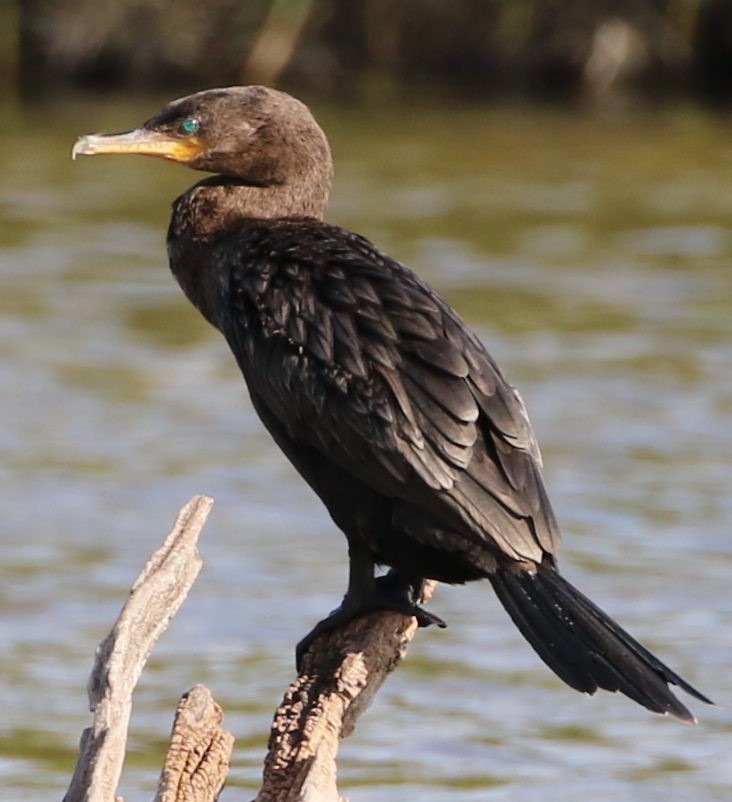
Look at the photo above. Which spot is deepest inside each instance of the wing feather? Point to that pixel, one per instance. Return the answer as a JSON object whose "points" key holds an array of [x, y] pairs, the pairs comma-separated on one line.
{"points": [[368, 366]]}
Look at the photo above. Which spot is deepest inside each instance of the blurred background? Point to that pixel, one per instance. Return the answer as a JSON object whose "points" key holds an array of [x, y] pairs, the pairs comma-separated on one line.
{"points": [[598, 50], [562, 173]]}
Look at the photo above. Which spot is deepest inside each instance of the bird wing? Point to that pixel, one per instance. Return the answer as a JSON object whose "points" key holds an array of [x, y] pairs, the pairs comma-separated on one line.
{"points": [[360, 360]]}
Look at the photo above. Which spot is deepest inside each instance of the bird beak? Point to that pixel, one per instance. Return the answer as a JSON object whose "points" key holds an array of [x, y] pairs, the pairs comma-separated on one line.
{"points": [[143, 141]]}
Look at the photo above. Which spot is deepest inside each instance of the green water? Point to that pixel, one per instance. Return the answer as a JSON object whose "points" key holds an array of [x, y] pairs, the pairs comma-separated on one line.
{"points": [[592, 255]]}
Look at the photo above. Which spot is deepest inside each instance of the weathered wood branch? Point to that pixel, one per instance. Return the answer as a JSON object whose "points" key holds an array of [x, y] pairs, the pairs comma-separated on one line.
{"points": [[341, 673], [199, 753], [156, 596]]}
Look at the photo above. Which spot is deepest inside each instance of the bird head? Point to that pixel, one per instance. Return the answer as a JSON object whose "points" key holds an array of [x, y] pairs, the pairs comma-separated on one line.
{"points": [[258, 135]]}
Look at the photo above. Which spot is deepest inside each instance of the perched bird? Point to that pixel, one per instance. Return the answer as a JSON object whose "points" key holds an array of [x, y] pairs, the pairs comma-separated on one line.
{"points": [[374, 388]]}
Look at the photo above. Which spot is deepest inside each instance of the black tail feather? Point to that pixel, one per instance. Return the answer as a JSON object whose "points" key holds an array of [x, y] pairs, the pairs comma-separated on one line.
{"points": [[583, 645]]}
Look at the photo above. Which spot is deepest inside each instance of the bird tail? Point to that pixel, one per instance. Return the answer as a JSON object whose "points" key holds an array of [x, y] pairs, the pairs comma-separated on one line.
{"points": [[583, 645]]}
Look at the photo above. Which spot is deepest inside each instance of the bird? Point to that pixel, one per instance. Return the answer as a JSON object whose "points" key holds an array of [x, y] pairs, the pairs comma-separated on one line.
{"points": [[385, 402]]}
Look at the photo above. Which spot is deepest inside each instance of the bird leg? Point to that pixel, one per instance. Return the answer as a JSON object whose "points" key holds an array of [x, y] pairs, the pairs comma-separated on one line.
{"points": [[394, 591]]}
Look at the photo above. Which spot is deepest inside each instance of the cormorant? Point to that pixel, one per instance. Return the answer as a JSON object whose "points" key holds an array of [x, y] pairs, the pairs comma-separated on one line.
{"points": [[382, 398]]}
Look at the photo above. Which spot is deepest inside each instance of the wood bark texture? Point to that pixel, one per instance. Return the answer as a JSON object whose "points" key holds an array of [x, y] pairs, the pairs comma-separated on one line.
{"points": [[340, 675], [155, 598]]}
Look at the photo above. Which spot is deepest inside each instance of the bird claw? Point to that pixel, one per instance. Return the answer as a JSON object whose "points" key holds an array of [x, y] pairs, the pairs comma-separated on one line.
{"points": [[388, 594]]}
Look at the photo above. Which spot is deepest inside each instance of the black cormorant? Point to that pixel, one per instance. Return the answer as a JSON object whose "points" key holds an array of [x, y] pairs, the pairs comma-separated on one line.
{"points": [[381, 397]]}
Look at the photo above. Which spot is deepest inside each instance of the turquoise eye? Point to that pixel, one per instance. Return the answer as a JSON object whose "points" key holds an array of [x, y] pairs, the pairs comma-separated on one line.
{"points": [[190, 125]]}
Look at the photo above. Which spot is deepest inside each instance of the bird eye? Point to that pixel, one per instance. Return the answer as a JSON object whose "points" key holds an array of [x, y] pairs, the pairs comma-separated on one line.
{"points": [[190, 125]]}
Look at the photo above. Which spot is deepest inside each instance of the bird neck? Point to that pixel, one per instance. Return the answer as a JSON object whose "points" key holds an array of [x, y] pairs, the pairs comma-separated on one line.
{"points": [[218, 202]]}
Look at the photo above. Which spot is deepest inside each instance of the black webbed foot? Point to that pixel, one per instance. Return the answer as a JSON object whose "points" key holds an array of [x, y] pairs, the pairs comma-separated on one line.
{"points": [[390, 592]]}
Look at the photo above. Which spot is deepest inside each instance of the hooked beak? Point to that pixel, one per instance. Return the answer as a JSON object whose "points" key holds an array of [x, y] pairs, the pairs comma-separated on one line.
{"points": [[143, 141]]}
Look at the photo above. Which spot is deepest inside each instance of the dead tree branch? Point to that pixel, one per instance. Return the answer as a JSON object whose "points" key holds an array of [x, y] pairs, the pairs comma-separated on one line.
{"points": [[155, 598], [199, 754], [341, 673]]}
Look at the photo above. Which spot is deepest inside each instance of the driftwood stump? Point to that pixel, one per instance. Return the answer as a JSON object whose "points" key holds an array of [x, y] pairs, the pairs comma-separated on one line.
{"points": [[341, 673]]}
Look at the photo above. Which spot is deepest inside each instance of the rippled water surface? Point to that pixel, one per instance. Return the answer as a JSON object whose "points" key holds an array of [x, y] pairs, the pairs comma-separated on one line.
{"points": [[593, 256]]}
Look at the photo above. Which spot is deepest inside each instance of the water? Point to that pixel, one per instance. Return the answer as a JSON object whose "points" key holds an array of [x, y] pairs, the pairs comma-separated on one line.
{"points": [[592, 255]]}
